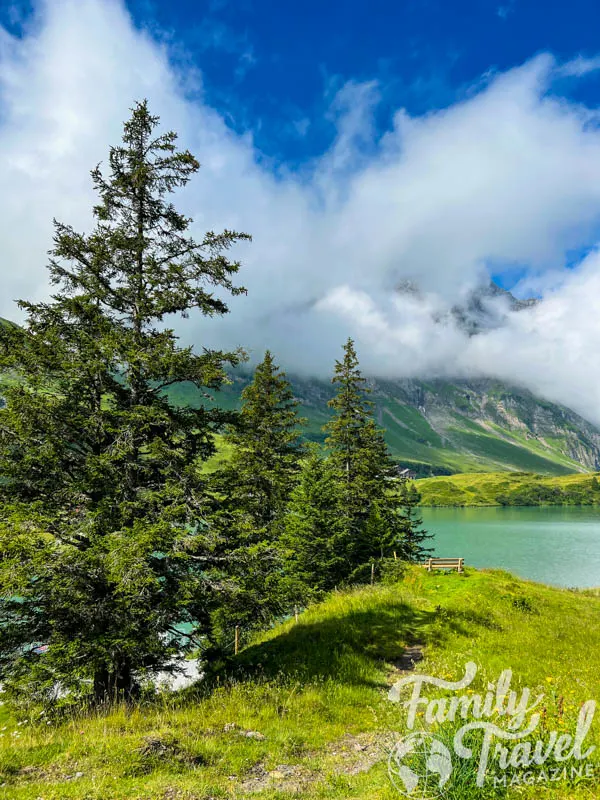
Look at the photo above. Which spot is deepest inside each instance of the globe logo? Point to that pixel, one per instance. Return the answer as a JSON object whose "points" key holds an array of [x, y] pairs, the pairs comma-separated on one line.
{"points": [[420, 766]]}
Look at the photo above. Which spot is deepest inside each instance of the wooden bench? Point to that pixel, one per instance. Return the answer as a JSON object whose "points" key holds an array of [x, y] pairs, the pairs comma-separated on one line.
{"points": [[444, 563]]}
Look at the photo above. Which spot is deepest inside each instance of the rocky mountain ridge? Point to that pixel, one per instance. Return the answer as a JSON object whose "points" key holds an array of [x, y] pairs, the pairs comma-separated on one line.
{"points": [[466, 425]]}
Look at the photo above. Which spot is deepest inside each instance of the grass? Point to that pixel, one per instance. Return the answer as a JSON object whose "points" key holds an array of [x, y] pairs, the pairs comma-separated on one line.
{"points": [[313, 696], [508, 488]]}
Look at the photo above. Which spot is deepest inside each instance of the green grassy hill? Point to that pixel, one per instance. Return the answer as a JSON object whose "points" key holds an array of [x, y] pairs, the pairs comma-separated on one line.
{"points": [[304, 712], [509, 488]]}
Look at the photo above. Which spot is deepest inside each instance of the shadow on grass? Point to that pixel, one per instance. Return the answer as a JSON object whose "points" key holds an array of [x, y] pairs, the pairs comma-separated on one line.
{"points": [[351, 648]]}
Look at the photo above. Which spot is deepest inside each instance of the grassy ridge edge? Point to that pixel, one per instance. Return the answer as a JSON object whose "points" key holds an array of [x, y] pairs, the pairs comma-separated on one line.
{"points": [[509, 489]]}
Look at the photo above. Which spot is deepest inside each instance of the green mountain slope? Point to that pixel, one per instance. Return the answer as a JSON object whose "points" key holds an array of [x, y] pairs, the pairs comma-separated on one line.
{"points": [[509, 489], [454, 426], [443, 427], [449, 426]]}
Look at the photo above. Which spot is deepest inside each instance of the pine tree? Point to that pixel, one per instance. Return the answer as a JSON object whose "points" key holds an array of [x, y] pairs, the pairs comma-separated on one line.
{"points": [[104, 542], [255, 487], [413, 537], [266, 449], [314, 540], [359, 461], [383, 529]]}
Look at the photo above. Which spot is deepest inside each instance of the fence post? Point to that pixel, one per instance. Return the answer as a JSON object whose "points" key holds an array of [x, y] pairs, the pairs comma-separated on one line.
{"points": [[296, 612], [395, 556], [237, 639], [372, 573]]}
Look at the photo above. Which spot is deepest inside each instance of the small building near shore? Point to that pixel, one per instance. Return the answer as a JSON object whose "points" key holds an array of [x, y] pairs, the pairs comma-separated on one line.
{"points": [[406, 474]]}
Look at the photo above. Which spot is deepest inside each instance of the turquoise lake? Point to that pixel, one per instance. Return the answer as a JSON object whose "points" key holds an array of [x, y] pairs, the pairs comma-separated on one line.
{"points": [[556, 545]]}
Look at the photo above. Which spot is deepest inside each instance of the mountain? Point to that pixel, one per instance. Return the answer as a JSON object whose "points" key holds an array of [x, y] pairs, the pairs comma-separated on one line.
{"points": [[443, 427], [486, 308], [470, 426], [483, 309], [448, 426], [484, 425]]}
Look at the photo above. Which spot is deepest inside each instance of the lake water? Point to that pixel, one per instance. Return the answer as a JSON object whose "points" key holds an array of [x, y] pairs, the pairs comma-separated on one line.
{"points": [[557, 545]]}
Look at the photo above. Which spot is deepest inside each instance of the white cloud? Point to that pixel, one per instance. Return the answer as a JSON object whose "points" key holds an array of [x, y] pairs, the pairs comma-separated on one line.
{"points": [[509, 175], [579, 66], [551, 347]]}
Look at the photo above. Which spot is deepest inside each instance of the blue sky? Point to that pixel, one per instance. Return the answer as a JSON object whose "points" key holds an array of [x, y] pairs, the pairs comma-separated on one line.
{"points": [[272, 66], [363, 145]]}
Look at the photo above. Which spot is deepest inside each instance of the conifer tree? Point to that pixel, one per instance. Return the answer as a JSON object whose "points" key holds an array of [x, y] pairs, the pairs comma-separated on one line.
{"points": [[413, 536], [359, 454], [377, 520], [359, 458], [104, 546], [266, 449], [255, 487], [314, 539], [383, 529]]}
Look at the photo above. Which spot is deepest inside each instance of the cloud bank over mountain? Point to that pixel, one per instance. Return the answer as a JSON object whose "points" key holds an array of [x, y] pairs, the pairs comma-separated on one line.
{"points": [[506, 178]]}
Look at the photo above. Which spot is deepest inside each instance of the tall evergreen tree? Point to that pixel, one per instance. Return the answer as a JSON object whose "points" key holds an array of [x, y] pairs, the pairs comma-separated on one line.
{"points": [[413, 537], [267, 449], [359, 454], [314, 539], [104, 548], [359, 458], [377, 518], [255, 488]]}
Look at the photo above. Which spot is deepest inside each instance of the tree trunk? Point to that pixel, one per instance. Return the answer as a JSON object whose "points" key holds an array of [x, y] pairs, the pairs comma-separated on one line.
{"points": [[115, 686]]}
